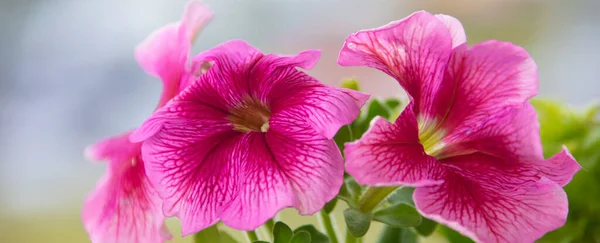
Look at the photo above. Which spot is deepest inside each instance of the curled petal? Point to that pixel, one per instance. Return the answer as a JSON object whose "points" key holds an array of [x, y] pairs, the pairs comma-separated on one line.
{"points": [[560, 168], [116, 148], [493, 201], [414, 50], [124, 207], [165, 52], [390, 154], [455, 27]]}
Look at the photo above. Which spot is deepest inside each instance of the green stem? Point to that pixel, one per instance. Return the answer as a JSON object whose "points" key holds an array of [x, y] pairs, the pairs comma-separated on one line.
{"points": [[327, 225], [373, 197], [350, 238], [270, 224], [252, 237]]}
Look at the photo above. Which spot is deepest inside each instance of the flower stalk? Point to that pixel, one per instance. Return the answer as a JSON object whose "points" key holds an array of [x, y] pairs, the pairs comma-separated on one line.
{"points": [[327, 225], [373, 196], [252, 236]]}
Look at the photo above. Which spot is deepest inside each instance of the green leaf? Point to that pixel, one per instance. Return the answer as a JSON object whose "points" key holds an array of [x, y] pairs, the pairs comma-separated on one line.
{"points": [[408, 236], [399, 215], [350, 191], [213, 234], [392, 103], [358, 223], [426, 227], [315, 235], [260, 241], [397, 235], [402, 195], [351, 83], [330, 206], [390, 235], [376, 108], [301, 237], [282, 233]]}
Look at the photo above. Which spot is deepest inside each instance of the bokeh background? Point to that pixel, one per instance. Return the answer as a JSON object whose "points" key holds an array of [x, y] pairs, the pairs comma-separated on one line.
{"points": [[68, 77]]}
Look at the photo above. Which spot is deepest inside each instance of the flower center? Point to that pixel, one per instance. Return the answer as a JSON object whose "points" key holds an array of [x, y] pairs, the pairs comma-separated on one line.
{"points": [[431, 138], [250, 116]]}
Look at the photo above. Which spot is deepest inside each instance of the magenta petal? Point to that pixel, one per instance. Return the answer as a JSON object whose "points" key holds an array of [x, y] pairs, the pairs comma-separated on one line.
{"points": [[414, 50], [197, 176], [492, 201], [289, 166], [191, 159], [165, 52], [455, 27], [390, 154], [312, 162], [124, 207], [560, 168], [275, 81], [513, 134], [492, 78]]}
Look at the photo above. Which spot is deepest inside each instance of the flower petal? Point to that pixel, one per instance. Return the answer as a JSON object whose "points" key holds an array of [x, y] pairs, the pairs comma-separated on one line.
{"points": [[390, 154], [312, 162], [560, 168], [196, 174], [491, 79], [490, 200], [115, 148], [124, 207], [414, 50], [227, 78], [289, 166], [276, 81], [513, 135], [190, 151], [165, 52], [455, 27]]}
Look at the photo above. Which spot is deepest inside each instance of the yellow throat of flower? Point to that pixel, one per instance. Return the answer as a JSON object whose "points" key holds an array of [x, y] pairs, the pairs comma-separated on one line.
{"points": [[431, 138]]}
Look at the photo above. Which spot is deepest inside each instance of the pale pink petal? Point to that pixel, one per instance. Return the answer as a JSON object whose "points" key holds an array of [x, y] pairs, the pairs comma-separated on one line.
{"points": [[490, 200], [455, 27], [124, 207], [414, 50], [288, 166], [165, 52], [115, 148], [491, 79], [513, 134], [390, 154], [195, 17], [275, 81]]}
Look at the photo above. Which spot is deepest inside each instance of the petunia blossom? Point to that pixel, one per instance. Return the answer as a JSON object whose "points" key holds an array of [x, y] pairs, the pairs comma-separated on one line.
{"points": [[468, 140], [251, 136], [125, 207]]}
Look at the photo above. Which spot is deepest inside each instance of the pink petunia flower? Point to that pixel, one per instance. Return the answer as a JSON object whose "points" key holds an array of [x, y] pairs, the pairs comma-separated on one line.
{"points": [[469, 140], [252, 136], [125, 207]]}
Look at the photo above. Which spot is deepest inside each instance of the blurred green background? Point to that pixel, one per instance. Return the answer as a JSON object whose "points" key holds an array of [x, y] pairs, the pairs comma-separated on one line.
{"points": [[68, 78]]}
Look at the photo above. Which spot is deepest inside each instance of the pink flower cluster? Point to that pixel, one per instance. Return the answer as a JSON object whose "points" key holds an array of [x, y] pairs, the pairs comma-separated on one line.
{"points": [[239, 135]]}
